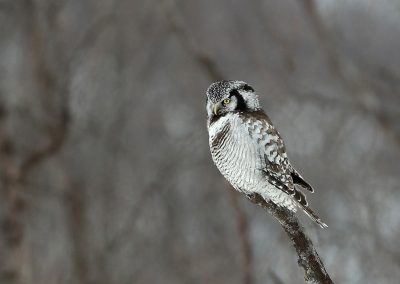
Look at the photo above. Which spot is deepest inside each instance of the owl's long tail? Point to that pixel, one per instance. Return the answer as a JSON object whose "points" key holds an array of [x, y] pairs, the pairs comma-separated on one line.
{"points": [[302, 201], [313, 216]]}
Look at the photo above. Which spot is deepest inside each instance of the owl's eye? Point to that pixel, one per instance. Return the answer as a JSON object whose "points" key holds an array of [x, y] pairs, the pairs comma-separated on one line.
{"points": [[226, 101]]}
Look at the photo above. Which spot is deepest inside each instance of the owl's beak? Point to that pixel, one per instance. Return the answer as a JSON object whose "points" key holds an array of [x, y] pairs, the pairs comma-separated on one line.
{"points": [[216, 109]]}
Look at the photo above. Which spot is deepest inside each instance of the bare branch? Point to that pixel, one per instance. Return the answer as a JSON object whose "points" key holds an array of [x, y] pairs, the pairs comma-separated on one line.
{"points": [[360, 89], [210, 68], [178, 27], [13, 180], [242, 226], [91, 35], [309, 259]]}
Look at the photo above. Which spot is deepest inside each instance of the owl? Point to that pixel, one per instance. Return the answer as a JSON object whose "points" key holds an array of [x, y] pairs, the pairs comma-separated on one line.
{"points": [[249, 151]]}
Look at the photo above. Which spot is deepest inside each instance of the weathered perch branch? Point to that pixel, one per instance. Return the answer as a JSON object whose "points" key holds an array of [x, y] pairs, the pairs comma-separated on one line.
{"points": [[314, 269]]}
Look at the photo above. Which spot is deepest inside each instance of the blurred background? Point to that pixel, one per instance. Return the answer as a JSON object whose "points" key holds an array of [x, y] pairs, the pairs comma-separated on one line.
{"points": [[105, 170]]}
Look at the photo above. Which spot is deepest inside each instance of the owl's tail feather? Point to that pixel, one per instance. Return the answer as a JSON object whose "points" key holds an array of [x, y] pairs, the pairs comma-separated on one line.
{"points": [[313, 216], [302, 201]]}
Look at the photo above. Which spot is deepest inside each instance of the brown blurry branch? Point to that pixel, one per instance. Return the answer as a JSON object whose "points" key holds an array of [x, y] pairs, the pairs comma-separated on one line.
{"points": [[210, 68], [177, 26], [309, 259], [91, 35], [242, 227], [360, 88], [16, 166]]}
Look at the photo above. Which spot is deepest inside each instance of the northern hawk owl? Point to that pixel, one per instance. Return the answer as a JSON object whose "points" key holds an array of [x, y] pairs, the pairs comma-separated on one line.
{"points": [[249, 151]]}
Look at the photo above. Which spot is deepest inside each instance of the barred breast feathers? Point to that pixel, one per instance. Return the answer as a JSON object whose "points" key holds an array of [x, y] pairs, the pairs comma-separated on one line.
{"points": [[216, 126], [219, 138]]}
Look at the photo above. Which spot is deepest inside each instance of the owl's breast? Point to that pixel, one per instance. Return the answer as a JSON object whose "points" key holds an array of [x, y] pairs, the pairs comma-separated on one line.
{"points": [[235, 153]]}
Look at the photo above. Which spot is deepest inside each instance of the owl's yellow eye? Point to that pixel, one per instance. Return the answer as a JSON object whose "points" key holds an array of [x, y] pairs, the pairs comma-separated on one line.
{"points": [[226, 101]]}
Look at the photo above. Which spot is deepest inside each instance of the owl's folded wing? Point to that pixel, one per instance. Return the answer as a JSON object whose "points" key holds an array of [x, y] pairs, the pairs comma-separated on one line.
{"points": [[277, 169]]}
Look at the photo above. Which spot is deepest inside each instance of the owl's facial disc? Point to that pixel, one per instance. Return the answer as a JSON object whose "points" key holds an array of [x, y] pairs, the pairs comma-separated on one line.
{"points": [[230, 96]]}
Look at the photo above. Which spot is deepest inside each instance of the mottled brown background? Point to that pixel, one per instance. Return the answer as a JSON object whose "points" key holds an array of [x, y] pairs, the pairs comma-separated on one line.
{"points": [[106, 175]]}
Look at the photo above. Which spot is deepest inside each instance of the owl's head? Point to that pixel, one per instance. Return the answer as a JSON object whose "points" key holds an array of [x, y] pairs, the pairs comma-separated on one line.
{"points": [[230, 96]]}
